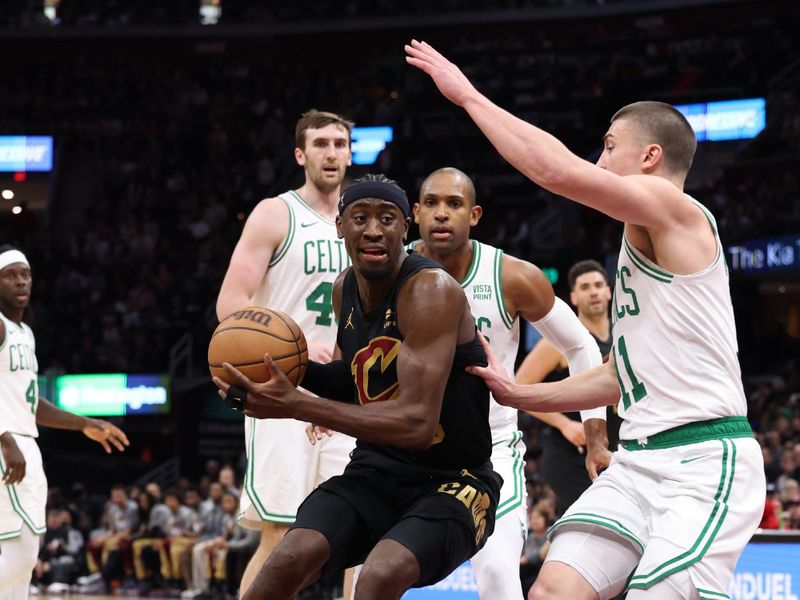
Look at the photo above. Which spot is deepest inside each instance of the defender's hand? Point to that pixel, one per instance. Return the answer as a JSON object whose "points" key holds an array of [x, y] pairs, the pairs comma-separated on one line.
{"points": [[598, 457], [13, 460], [495, 376], [452, 83], [574, 433], [106, 434], [314, 433], [274, 399]]}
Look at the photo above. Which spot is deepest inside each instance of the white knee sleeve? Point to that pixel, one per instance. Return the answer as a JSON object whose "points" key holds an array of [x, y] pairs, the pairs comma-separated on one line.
{"points": [[604, 560], [17, 559]]}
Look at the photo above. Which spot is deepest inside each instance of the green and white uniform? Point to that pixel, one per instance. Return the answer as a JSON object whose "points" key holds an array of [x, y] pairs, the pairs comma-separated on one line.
{"points": [[21, 504], [686, 489], [497, 564], [282, 466]]}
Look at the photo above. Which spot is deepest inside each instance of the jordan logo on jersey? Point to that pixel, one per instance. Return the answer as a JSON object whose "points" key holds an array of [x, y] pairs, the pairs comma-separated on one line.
{"points": [[375, 371]]}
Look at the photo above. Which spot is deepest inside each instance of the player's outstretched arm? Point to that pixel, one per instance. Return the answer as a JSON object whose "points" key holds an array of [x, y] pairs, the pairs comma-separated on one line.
{"points": [[430, 307], [651, 202], [264, 231], [102, 432], [596, 387]]}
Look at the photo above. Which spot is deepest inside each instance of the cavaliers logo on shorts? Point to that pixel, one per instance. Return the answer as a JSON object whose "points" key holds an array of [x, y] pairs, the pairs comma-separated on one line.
{"points": [[476, 502]]}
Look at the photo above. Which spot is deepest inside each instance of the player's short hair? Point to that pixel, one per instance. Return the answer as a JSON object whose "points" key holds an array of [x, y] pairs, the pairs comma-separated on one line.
{"points": [[583, 267], [7, 247], [317, 119], [661, 123]]}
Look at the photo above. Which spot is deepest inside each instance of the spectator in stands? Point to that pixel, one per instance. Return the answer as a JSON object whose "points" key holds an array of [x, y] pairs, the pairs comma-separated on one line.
{"points": [[227, 477], [61, 555], [208, 555], [536, 544], [120, 519]]}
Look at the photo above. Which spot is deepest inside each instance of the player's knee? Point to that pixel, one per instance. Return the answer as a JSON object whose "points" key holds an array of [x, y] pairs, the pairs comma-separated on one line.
{"points": [[544, 589], [301, 552], [387, 575]]}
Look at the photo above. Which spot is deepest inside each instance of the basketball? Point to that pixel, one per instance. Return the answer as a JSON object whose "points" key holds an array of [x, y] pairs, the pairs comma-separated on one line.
{"points": [[244, 337]]}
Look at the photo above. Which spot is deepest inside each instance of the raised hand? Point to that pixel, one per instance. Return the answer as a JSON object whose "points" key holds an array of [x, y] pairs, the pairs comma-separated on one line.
{"points": [[452, 83]]}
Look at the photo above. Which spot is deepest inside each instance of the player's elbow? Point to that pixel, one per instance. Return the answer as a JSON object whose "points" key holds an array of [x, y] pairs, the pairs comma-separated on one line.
{"points": [[421, 432]]}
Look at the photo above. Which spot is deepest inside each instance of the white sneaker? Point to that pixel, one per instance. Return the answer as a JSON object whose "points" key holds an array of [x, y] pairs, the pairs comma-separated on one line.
{"points": [[33, 591], [58, 588], [190, 593], [89, 579]]}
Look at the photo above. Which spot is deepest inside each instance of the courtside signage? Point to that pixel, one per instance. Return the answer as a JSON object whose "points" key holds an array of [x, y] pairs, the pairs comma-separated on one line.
{"points": [[728, 120], [767, 570], [765, 255], [112, 394], [26, 153], [459, 585], [368, 143]]}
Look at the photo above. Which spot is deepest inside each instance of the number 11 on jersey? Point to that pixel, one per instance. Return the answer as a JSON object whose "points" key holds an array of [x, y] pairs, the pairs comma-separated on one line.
{"points": [[638, 390]]}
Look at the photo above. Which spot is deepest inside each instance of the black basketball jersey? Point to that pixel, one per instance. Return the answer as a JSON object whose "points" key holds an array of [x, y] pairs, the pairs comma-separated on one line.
{"points": [[370, 343]]}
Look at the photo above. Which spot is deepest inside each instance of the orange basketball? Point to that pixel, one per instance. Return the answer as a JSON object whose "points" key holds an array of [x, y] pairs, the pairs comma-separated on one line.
{"points": [[244, 337]]}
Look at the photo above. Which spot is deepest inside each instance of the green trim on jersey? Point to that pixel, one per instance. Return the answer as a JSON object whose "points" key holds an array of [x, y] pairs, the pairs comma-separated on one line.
{"points": [[711, 595], [473, 266], [284, 247], [650, 271], [17, 505], [595, 519], [707, 534], [694, 433], [10, 535], [263, 513], [498, 284], [711, 220], [304, 203], [516, 499]]}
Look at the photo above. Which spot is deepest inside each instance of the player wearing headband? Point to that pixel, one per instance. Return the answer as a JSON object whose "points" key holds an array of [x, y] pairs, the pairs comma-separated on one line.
{"points": [[419, 494], [24, 491]]}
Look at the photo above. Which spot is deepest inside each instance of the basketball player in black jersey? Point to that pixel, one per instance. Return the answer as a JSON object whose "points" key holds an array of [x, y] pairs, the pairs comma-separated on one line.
{"points": [[419, 495], [564, 466]]}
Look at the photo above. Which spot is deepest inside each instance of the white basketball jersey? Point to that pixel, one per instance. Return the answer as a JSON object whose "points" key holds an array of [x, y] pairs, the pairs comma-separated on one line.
{"points": [[19, 386], [484, 290], [675, 347], [300, 277]]}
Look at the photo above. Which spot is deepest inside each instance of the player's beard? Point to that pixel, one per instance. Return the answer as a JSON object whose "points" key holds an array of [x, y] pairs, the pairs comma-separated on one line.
{"points": [[322, 183]]}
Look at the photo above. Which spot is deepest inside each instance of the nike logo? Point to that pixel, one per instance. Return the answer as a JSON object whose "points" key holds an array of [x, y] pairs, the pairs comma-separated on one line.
{"points": [[688, 460], [308, 224]]}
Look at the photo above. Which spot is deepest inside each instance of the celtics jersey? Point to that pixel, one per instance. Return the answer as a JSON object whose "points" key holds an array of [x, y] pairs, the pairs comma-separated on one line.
{"points": [[300, 277], [19, 388], [675, 348], [484, 290]]}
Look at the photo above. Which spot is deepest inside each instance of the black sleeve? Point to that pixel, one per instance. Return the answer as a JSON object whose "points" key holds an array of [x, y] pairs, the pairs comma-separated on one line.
{"points": [[332, 381]]}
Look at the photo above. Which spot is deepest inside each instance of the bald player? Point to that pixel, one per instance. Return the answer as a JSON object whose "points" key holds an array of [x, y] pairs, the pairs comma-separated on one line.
{"points": [[500, 289]]}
